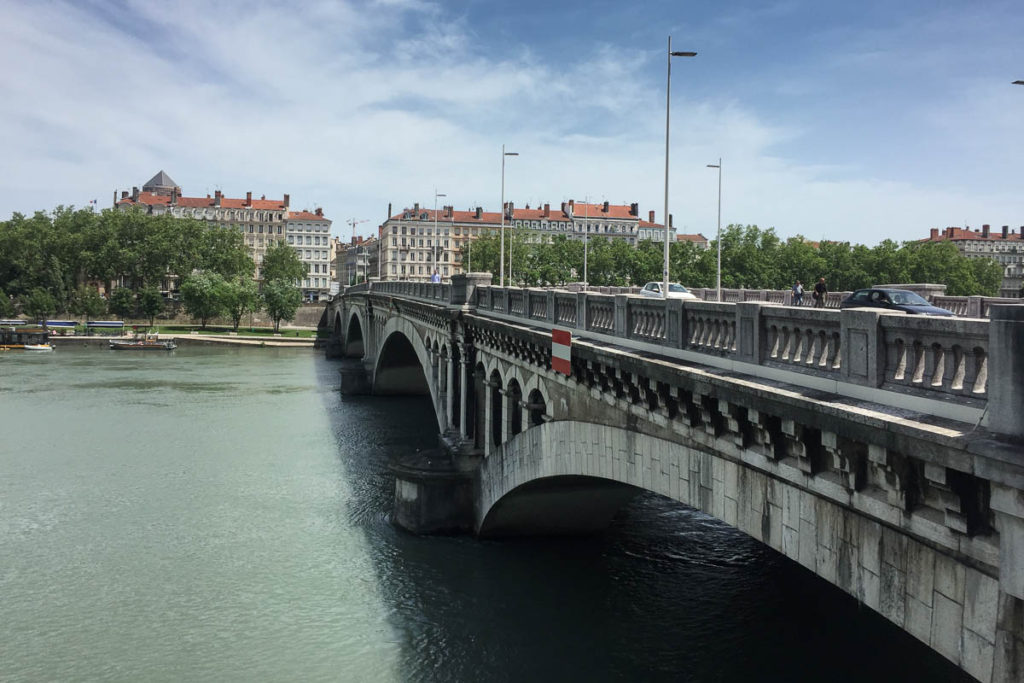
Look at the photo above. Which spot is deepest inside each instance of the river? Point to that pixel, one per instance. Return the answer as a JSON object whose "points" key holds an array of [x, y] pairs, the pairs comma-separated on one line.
{"points": [[222, 515]]}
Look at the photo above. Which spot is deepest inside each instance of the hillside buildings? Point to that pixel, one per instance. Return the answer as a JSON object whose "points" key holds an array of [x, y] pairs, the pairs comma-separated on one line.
{"points": [[263, 222], [1004, 246]]}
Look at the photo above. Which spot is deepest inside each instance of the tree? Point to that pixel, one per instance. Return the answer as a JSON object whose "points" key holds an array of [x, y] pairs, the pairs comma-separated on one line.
{"points": [[281, 299], [483, 253], [240, 297], [6, 305], [224, 252], [281, 262], [648, 262], [122, 302], [87, 302], [203, 296], [989, 276], [151, 302], [38, 305]]}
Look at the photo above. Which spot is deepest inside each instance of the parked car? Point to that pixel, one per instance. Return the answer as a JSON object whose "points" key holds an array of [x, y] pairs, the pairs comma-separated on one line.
{"points": [[675, 291], [892, 300]]}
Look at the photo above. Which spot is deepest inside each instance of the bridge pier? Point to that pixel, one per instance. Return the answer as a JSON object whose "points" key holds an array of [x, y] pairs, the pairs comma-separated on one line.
{"points": [[434, 492], [355, 381]]}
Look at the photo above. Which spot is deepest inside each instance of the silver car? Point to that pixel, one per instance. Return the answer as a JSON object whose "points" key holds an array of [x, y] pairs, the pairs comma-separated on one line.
{"points": [[675, 291]]}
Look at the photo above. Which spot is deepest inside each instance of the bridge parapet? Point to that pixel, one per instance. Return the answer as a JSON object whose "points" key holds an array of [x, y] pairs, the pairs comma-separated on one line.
{"points": [[938, 358]]}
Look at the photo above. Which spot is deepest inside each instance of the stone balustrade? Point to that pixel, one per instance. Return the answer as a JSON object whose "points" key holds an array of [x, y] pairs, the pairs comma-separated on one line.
{"points": [[930, 357]]}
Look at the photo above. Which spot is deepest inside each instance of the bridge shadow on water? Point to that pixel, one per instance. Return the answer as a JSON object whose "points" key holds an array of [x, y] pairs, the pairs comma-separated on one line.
{"points": [[666, 594]]}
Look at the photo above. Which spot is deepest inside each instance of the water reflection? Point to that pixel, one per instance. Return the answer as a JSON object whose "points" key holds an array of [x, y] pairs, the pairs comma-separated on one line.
{"points": [[667, 593]]}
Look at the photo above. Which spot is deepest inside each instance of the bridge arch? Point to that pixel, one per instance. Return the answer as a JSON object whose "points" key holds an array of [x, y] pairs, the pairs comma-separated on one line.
{"points": [[354, 345], [403, 362]]}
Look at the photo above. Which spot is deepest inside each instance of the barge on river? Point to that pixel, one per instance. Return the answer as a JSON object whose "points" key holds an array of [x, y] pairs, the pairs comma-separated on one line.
{"points": [[149, 341], [15, 335]]}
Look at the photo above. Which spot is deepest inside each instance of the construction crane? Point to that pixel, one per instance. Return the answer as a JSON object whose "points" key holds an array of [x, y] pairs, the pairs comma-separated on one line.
{"points": [[353, 222]]}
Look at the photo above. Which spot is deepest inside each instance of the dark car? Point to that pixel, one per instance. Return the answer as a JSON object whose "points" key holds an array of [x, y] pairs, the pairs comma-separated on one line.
{"points": [[892, 300]]}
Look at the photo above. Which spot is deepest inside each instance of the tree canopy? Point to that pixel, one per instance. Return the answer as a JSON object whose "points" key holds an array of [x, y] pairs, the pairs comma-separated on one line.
{"points": [[61, 250], [751, 257]]}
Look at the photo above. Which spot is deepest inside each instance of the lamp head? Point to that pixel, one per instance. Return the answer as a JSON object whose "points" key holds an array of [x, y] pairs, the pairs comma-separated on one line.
{"points": [[683, 54]]}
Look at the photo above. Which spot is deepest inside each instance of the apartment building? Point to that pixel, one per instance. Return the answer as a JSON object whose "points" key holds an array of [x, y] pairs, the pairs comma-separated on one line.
{"points": [[1005, 246], [263, 222], [417, 241]]}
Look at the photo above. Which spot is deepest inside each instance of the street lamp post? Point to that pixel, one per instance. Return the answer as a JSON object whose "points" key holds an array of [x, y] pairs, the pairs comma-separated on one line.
{"points": [[437, 240], [501, 256], [586, 238], [668, 92], [718, 278]]}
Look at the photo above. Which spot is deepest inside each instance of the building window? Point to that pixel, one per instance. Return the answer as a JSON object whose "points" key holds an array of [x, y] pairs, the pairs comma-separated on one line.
{"points": [[250, 229]]}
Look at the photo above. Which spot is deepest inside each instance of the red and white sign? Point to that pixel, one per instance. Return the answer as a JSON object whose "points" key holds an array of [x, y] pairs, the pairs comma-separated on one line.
{"points": [[561, 346]]}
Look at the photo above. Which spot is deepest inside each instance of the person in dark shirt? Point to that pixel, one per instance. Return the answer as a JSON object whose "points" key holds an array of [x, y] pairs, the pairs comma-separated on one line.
{"points": [[820, 291]]}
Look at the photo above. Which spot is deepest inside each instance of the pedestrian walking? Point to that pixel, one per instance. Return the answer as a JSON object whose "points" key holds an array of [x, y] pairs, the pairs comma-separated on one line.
{"points": [[820, 292], [798, 294]]}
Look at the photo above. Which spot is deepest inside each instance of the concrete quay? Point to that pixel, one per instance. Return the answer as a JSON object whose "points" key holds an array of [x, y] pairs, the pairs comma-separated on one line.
{"points": [[194, 339]]}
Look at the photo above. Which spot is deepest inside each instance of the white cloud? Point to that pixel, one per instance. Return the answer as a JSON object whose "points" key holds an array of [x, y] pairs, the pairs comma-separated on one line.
{"points": [[351, 107]]}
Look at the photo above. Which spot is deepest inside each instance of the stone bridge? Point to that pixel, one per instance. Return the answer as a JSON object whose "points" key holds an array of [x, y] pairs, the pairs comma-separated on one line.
{"points": [[881, 451]]}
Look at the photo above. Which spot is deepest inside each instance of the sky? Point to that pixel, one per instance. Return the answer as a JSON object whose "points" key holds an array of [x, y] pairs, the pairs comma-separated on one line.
{"points": [[843, 121]]}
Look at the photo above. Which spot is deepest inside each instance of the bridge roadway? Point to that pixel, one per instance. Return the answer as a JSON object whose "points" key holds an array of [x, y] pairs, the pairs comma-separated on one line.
{"points": [[884, 452]]}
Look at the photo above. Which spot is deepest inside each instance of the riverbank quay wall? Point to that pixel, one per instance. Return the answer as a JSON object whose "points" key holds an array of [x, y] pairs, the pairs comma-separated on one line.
{"points": [[866, 446]]}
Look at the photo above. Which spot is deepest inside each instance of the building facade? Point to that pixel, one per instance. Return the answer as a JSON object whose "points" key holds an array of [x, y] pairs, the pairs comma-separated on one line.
{"points": [[357, 261], [263, 223], [309, 233], [1006, 247], [418, 241]]}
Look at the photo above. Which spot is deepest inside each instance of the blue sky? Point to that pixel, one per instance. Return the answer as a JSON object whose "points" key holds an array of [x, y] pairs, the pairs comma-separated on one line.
{"points": [[845, 121]]}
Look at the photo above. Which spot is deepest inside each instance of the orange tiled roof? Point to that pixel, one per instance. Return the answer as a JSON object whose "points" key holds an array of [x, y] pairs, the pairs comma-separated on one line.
{"points": [[691, 238], [617, 211], [457, 216], [304, 216], [152, 199], [956, 234]]}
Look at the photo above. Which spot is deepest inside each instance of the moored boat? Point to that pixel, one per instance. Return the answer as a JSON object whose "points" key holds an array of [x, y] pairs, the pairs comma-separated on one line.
{"points": [[149, 341], [26, 338]]}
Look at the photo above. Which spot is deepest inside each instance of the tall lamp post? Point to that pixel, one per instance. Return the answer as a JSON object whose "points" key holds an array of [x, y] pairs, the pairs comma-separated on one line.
{"points": [[586, 240], [501, 277], [668, 99], [718, 278], [437, 240]]}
